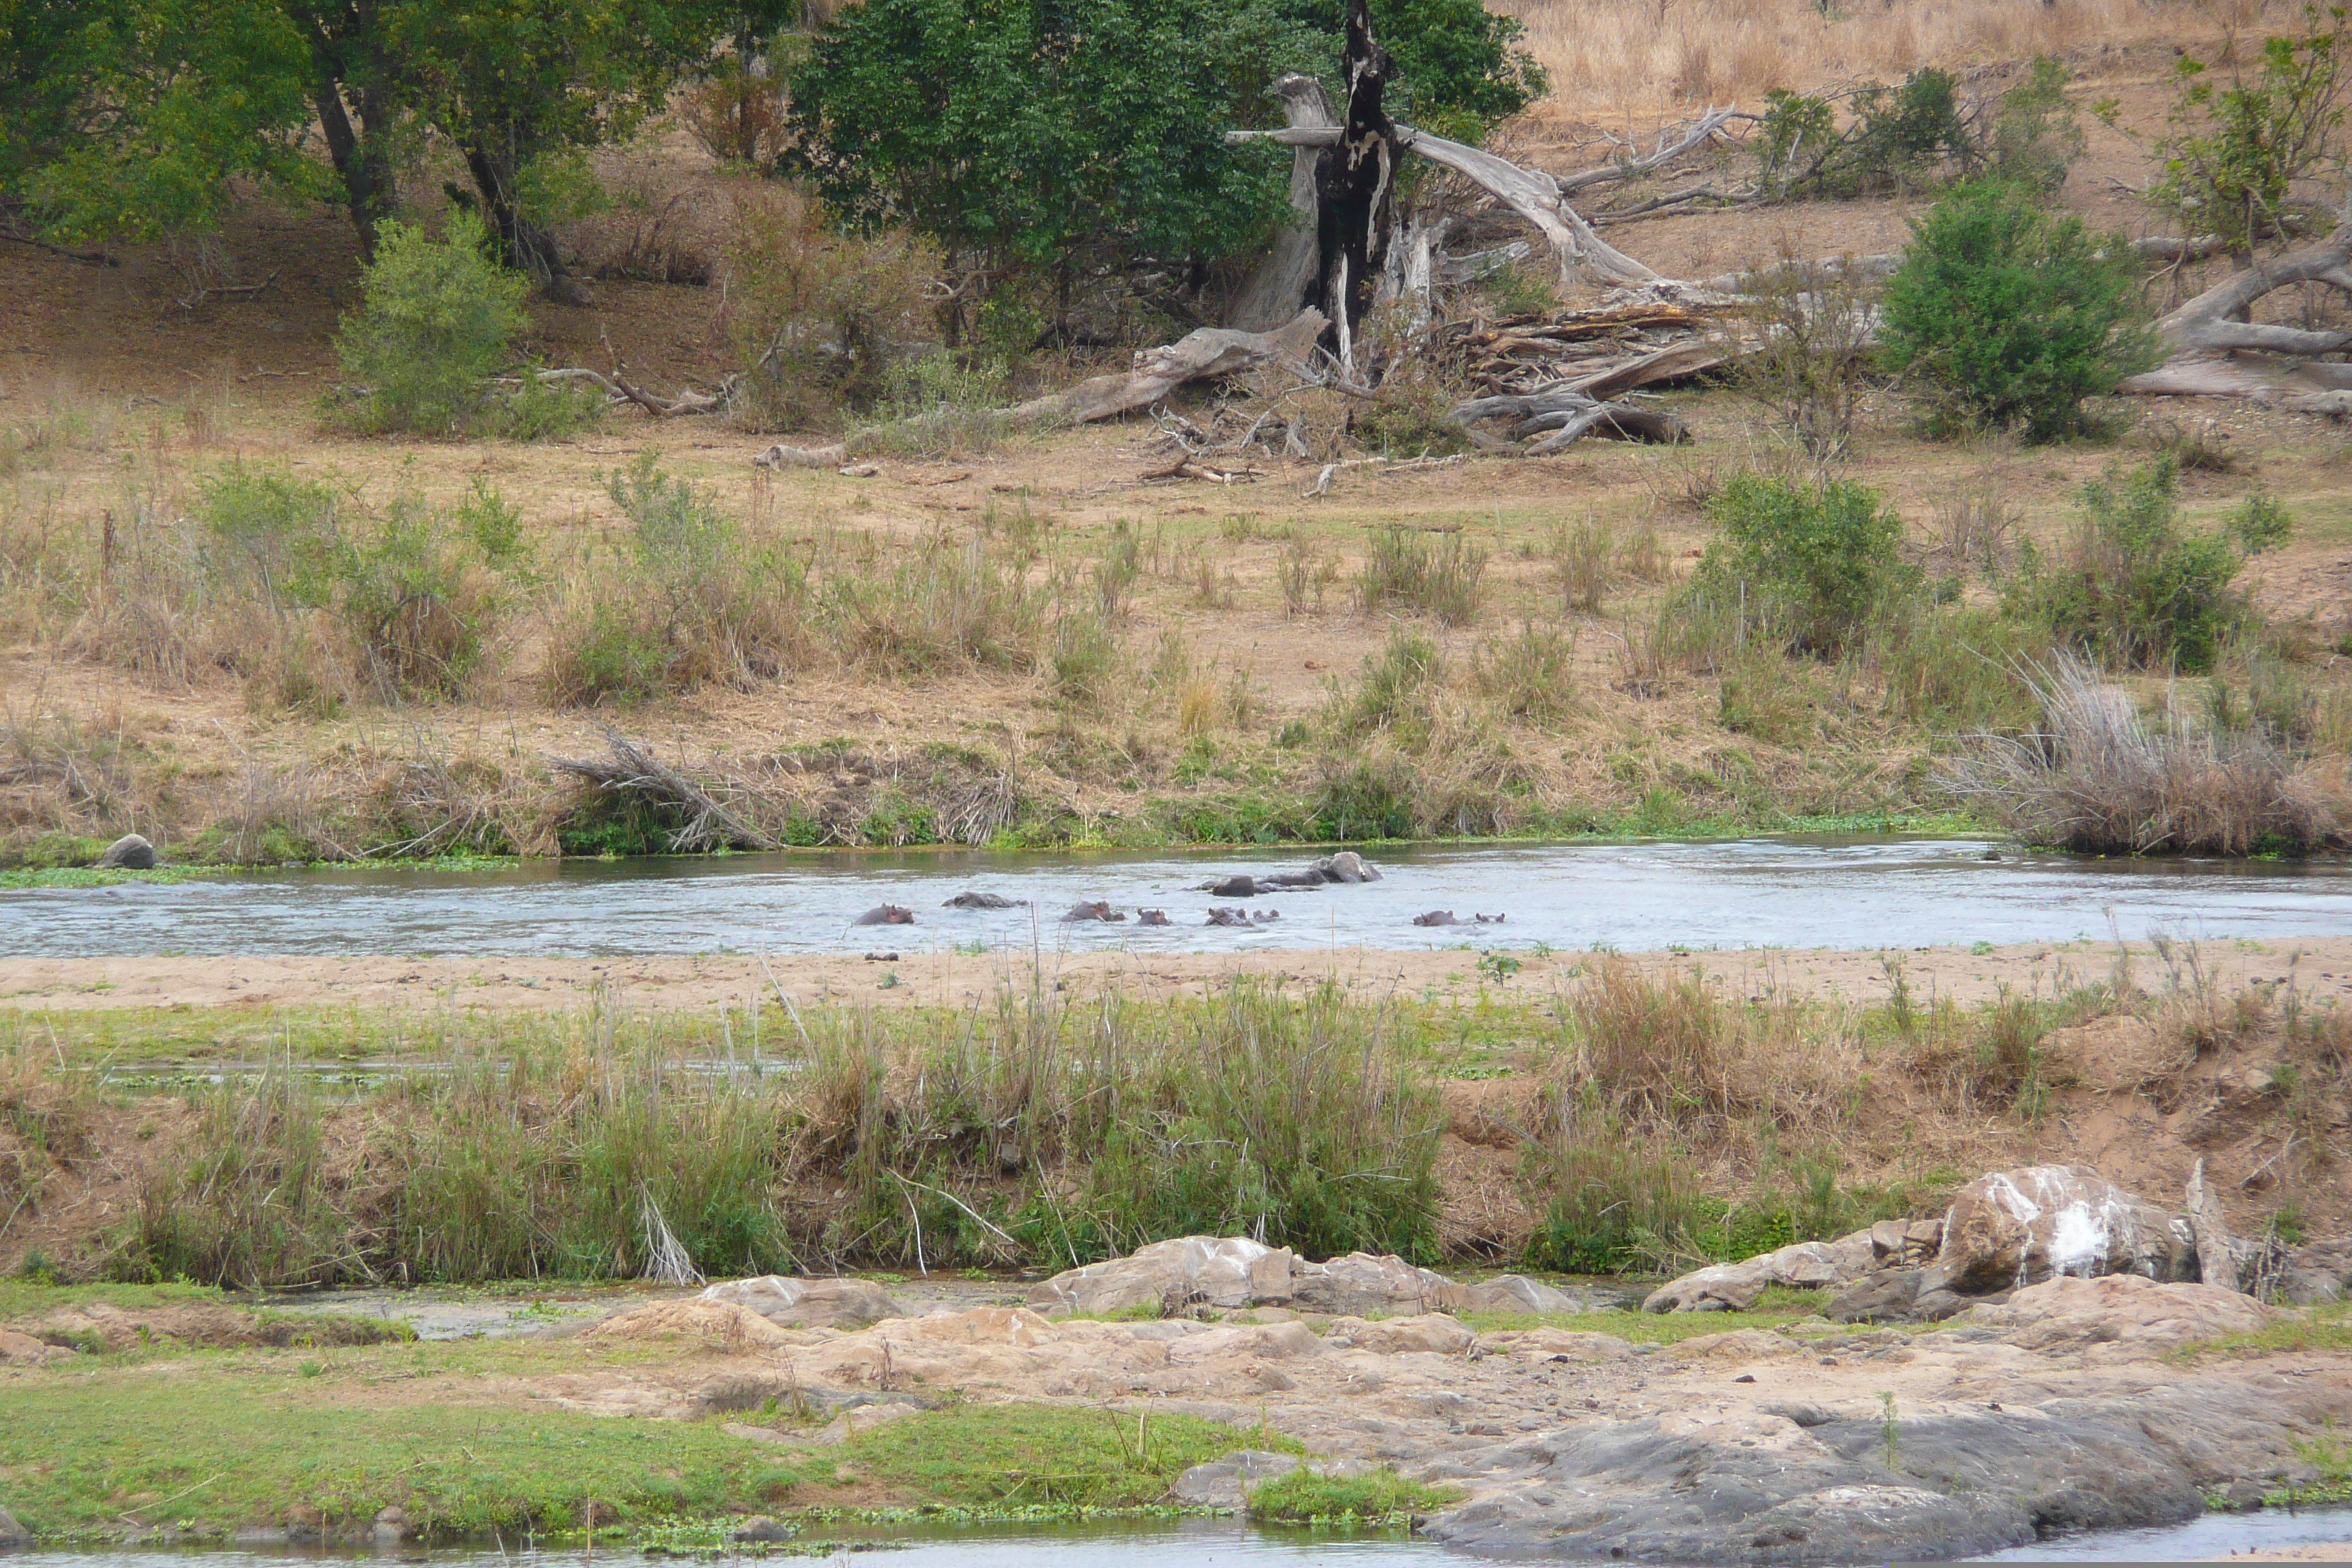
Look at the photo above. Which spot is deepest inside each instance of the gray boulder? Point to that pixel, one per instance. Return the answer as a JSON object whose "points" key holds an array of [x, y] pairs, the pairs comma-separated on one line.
{"points": [[1517, 1293], [1225, 1482], [1361, 1284], [12, 1534], [1734, 1286], [1347, 866], [131, 852], [809, 1303]]}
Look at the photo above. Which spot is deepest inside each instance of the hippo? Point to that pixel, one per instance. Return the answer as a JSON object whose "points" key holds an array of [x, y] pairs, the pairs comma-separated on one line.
{"points": [[1262, 916], [1436, 918], [1151, 916], [1238, 886], [983, 901], [886, 915], [1222, 917], [1098, 909]]}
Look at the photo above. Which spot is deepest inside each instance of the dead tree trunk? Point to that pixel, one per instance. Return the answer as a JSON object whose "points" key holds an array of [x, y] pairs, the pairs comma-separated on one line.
{"points": [[1286, 282], [2218, 350], [1355, 191]]}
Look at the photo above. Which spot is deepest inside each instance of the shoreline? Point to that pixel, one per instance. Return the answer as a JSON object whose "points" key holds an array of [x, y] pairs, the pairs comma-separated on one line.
{"points": [[2319, 967]]}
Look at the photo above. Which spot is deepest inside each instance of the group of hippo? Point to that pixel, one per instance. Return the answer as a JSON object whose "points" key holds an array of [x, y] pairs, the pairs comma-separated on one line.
{"points": [[1347, 866]]}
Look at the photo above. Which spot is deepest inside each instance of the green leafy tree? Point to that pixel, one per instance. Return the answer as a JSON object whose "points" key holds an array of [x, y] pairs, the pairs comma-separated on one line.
{"points": [[2011, 314], [130, 118], [1052, 135], [2235, 150]]}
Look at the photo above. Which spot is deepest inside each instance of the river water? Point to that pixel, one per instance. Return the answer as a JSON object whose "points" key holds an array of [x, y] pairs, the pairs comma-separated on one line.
{"points": [[1865, 893], [1222, 1544]]}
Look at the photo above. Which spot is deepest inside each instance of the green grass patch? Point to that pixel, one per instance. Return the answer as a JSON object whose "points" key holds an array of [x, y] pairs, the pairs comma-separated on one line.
{"points": [[2326, 1328], [22, 1299], [238, 1437], [1382, 1497], [1002, 1456]]}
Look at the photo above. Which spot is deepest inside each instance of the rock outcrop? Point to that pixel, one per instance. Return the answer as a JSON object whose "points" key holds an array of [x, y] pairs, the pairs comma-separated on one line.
{"points": [[1735, 1287], [809, 1303], [2319, 1272], [1227, 1273], [2071, 1313], [13, 1535]]}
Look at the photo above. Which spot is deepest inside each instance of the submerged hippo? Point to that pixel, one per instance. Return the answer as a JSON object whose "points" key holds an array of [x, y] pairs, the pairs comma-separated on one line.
{"points": [[1224, 916], [983, 901], [1436, 918], [1151, 916], [1347, 866], [1262, 916], [886, 915], [1098, 909]]}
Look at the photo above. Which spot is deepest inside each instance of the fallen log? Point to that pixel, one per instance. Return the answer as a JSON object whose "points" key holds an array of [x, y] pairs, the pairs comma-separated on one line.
{"points": [[634, 770], [2217, 350], [1571, 415], [688, 402], [1209, 351]]}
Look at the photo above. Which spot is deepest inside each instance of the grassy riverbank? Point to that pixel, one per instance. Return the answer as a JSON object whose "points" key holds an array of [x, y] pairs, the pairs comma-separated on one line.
{"points": [[1621, 1116]]}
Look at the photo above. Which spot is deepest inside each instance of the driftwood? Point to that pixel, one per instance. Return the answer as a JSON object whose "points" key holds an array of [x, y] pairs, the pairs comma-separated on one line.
{"points": [[1708, 127], [1569, 415], [634, 770], [2216, 349], [619, 386], [1209, 351], [832, 455]]}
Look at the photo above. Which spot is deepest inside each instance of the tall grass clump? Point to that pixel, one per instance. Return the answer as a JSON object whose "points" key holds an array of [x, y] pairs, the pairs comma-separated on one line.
{"points": [[2097, 776], [2133, 585], [948, 604], [1529, 675], [1404, 570], [1025, 1132], [1396, 691], [685, 599]]}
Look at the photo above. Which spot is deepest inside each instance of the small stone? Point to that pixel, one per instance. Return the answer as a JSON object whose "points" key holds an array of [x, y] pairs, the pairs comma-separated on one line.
{"points": [[762, 1529]]}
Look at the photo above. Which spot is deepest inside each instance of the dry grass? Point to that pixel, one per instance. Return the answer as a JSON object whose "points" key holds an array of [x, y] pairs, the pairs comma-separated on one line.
{"points": [[2100, 778], [1622, 62]]}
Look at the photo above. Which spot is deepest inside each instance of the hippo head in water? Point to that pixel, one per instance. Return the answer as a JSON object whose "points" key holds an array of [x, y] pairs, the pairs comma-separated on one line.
{"points": [[1094, 910], [1151, 916], [886, 915]]}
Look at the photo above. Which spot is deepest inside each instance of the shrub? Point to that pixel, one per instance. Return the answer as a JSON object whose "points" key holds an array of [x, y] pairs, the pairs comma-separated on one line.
{"points": [[818, 318], [1812, 350], [439, 319], [1815, 562], [418, 599], [2012, 315], [2131, 584], [946, 604], [2233, 153], [1085, 658], [2035, 137]]}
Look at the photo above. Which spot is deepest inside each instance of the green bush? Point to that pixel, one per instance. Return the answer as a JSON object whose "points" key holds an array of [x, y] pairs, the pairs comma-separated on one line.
{"points": [[1808, 564], [1916, 134], [2235, 150], [2012, 315], [2132, 584], [439, 319]]}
